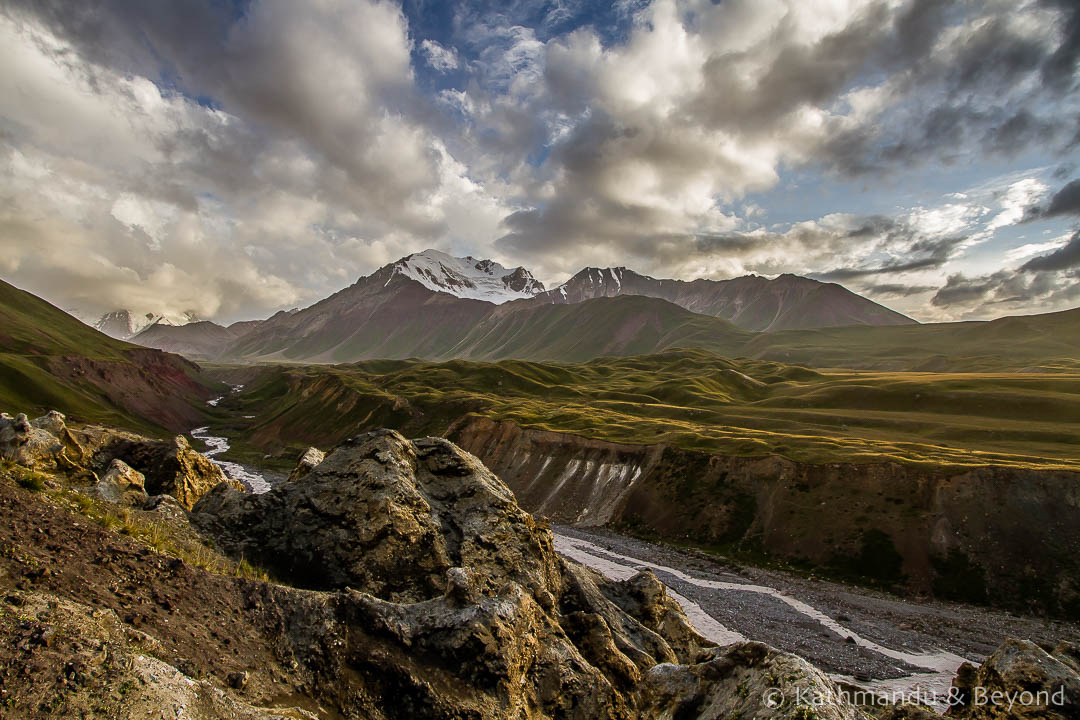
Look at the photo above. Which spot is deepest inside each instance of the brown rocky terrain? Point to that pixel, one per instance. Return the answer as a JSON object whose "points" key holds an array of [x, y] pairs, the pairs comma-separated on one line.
{"points": [[430, 594]]}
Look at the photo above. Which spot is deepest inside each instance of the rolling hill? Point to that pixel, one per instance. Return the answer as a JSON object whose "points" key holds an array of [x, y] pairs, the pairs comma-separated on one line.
{"points": [[50, 360], [1040, 343], [618, 326]]}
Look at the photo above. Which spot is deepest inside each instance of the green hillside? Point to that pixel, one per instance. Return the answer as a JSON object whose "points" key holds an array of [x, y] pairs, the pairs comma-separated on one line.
{"points": [[1049, 342], [50, 360], [623, 325], [688, 398]]}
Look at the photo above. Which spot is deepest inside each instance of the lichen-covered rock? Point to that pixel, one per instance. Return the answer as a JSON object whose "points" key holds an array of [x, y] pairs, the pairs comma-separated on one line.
{"points": [[455, 603], [308, 461], [171, 467], [387, 516], [1021, 680], [22, 442], [121, 484], [52, 422], [747, 680]]}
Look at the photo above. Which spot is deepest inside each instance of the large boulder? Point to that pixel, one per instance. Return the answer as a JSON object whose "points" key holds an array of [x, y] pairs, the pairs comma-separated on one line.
{"points": [[52, 422], [171, 467], [746, 680], [1020, 680], [24, 443], [388, 516], [122, 485]]}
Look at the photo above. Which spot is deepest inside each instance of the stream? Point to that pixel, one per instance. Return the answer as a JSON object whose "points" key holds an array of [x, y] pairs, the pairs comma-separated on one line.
{"points": [[251, 478]]}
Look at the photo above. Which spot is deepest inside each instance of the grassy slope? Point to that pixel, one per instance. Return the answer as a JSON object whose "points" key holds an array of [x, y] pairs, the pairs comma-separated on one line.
{"points": [[1049, 342], [623, 325], [36, 338], [691, 399]]}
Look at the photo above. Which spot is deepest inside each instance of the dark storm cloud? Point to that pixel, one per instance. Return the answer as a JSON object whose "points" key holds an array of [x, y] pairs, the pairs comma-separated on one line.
{"points": [[1064, 258], [1059, 69], [1023, 291], [179, 40], [1000, 87], [800, 75], [1065, 202]]}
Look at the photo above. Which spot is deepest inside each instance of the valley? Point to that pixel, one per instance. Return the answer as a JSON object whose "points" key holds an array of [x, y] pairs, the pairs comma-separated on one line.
{"points": [[892, 480], [864, 639]]}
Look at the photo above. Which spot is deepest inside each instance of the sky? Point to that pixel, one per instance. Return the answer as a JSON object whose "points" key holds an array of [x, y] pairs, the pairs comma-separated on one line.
{"points": [[230, 158]]}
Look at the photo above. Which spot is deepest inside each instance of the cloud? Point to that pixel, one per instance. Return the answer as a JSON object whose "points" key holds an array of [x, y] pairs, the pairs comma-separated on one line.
{"points": [[896, 289], [239, 157], [1064, 202], [298, 157], [438, 57], [1064, 258]]}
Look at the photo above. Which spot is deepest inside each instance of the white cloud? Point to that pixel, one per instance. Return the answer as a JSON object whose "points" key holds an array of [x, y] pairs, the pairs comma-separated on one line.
{"points": [[438, 57]]}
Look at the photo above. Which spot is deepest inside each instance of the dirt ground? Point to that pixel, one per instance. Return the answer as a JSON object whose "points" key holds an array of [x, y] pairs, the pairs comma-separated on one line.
{"points": [[210, 627]]}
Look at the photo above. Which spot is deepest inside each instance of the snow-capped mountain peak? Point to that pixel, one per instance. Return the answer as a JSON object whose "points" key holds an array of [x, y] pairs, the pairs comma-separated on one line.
{"points": [[468, 277], [125, 324]]}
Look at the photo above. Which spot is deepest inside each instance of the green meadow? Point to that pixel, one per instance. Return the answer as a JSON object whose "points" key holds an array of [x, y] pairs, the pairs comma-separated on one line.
{"points": [[692, 399]]}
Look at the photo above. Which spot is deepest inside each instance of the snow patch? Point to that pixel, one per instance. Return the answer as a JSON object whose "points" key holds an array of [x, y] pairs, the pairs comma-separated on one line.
{"points": [[468, 277]]}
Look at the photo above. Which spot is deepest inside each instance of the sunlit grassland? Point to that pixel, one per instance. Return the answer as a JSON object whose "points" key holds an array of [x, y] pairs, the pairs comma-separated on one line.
{"points": [[697, 400]]}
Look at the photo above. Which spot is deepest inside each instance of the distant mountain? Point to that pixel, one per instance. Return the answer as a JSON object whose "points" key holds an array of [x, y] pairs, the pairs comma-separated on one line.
{"points": [[202, 340], [51, 360], [125, 324], [433, 306], [788, 302], [388, 314], [467, 277]]}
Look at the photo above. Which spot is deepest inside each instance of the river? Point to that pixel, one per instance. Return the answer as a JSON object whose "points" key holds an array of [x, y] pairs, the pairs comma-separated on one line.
{"points": [[870, 648]]}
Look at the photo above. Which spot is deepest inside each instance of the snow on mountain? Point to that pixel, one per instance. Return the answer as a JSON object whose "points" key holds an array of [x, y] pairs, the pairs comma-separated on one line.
{"points": [[125, 324], [468, 277]]}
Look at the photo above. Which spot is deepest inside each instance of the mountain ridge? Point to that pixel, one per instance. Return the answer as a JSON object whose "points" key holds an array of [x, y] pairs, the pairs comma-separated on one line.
{"points": [[752, 302], [434, 306]]}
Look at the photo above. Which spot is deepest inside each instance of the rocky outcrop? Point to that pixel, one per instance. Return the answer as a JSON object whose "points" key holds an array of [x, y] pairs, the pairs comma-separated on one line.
{"points": [[390, 516], [27, 444], [119, 466], [171, 467], [455, 603], [961, 533], [122, 485], [748, 680], [1020, 680], [307, 462]]}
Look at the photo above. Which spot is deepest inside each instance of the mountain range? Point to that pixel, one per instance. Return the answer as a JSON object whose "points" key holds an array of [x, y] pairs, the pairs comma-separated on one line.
{"points": [[434, 306], [125, 324]]}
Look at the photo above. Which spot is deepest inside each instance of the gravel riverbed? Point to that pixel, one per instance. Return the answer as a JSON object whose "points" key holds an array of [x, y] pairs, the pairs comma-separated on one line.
{"points": [[859, 635]]}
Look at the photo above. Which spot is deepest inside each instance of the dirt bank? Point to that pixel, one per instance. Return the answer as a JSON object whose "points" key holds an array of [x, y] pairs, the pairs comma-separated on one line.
{"points": [[980, 534]]}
